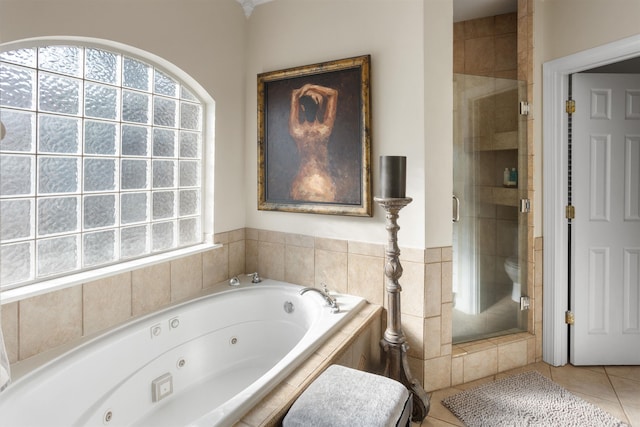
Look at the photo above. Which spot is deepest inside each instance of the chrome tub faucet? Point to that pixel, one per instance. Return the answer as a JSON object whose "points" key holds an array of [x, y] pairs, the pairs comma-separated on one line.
{"points": [[255, 277], [331, 301]]}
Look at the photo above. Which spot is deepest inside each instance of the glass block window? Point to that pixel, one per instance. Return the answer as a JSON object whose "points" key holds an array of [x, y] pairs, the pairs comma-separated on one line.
{"points": [[100, 161]]}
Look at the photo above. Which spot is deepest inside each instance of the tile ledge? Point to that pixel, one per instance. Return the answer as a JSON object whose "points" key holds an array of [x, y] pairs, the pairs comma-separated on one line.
{"points": [[463, 349], [281, 405]]}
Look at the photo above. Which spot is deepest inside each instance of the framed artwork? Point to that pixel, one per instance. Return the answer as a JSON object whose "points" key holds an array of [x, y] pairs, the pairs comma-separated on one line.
{"points": [[314, 138]]}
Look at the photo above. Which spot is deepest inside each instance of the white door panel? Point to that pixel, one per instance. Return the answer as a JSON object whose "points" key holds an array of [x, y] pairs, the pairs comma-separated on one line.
{"points": [[605, 295]]}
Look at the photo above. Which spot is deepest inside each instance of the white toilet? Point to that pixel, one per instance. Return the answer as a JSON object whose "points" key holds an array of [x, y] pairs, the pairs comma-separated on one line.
{"points": [[512, 268]]}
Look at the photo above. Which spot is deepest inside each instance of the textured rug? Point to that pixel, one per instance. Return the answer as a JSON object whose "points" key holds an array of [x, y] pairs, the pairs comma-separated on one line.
{"points": [[528, 399]]}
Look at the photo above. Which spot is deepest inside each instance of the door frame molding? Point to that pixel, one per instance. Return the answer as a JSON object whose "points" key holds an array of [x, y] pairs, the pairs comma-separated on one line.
{"points": [[555, 77]]}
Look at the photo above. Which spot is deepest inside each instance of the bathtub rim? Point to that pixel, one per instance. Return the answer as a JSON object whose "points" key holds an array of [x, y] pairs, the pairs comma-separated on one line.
{"points": [[41, 360], [32, 367]]}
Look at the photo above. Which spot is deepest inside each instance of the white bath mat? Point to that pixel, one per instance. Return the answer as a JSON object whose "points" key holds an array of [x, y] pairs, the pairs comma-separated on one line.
{"points": [[527, 399]]}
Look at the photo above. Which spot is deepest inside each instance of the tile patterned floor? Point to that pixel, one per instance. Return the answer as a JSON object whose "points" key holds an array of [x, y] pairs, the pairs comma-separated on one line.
{"points": [[615, 389]]}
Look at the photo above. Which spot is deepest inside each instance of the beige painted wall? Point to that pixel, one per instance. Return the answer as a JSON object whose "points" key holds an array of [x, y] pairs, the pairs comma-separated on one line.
{"points": [[288, 33], [203, 38], [570, 26], [214, 43], [438, 122], [410, 44], [565, 27]]}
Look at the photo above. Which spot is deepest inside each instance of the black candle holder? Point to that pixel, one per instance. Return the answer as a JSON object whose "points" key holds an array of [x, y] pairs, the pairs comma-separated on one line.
{"points": [[394, 342], [393, 176]]}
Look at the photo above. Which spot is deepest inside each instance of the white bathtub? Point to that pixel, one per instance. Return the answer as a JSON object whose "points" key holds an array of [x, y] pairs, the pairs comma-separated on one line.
{"points": [[222, 352]]}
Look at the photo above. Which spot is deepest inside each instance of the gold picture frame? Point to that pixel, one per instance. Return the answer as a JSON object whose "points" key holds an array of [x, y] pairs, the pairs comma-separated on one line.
{"points": [[314, 138]]}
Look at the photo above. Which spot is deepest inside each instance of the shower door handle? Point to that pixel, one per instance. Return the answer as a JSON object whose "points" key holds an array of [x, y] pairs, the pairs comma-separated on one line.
{"points": [[456, 208]]}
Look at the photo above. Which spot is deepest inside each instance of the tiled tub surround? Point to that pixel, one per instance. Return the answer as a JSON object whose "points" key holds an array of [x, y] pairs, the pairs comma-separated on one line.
{"points": [[355, 346], [34, 325], [201, 333], [41, 323]]}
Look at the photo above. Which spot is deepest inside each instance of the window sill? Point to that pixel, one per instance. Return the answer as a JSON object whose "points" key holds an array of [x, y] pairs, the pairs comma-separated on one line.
{"points": [[28, 291]]}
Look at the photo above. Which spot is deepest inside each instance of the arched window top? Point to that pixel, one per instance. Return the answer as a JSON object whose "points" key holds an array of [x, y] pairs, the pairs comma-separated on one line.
{"points": [[102, 152]]}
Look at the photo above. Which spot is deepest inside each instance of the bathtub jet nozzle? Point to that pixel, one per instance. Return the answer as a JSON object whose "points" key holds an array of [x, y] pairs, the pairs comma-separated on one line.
{"points": [[331, 301]]}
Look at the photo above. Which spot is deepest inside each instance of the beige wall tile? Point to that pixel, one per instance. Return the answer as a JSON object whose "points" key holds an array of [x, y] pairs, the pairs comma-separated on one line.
{"points": [[512, 355], [458, 56], [49, 320], [298, 377], [432, 255], [251, 256], [215, 266], [479, 56], [433, 289], [363, 248], [271, 236], [10, 330], [457, 370], [437, 373], [251, 234], [447, 281], [106, 302], [412, 282], [475, 346], [506, 23], [531, 350], [413, 328], [150, 288], [334, 245], [269, 404], [458, 31], [446, 349], [446, 336], [480, 364], [298, 265], [412, 255], [432, 332], [331, 269], [221, 238], [237, 235], [186, 277], [299, 240], [416, 368], [366, 278], [447, 253], [236, 258], [271, 260], [481, 27]]}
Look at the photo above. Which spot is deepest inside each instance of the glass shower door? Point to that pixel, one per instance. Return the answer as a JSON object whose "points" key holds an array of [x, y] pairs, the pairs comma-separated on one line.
{"points": [[490, 233]]}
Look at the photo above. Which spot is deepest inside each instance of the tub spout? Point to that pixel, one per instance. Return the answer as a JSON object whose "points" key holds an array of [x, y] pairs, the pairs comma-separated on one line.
{"points": [[331, 302]]}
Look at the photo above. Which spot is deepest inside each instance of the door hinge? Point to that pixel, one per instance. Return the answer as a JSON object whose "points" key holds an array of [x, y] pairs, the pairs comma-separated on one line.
{"points": [[525, 205], [570, 106], [570, 212], [569, 317], [525, 108], [525, 303]]}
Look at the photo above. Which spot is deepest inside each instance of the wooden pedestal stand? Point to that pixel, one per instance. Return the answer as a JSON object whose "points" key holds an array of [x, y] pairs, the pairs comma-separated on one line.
{"points": [[394, 342]]}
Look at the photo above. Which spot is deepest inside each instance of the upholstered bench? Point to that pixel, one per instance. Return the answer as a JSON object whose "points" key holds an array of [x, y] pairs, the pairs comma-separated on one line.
{"points": [[345, 397]]}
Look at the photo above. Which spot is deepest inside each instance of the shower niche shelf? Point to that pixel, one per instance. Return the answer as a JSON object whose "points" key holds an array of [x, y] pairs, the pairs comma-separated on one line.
{"points": [[498, 195], [498, 141]]}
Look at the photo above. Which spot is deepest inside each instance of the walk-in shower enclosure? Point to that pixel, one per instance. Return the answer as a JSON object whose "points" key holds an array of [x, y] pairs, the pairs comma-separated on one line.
{"points": [[489, 204]]}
